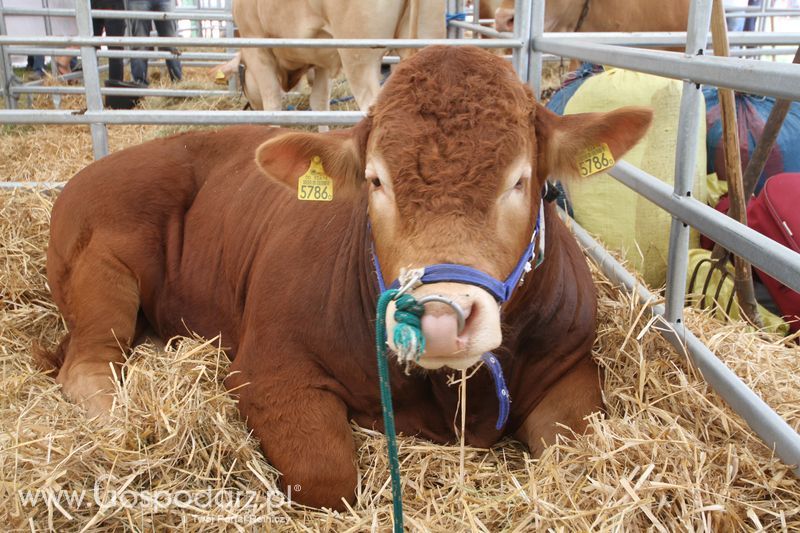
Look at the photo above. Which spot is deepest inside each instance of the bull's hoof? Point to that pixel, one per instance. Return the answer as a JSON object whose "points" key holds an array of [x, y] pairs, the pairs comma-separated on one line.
{"points": [[93, 392]]}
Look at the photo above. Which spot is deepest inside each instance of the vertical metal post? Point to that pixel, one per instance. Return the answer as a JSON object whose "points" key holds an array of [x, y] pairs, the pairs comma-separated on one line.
{"points": [[233, 83], [476, 12], [686, 162], [6, 68], [761, 23], [91, 78], [48, 28], [537, 29], [452, 9], [520, 58], [459, 9]]}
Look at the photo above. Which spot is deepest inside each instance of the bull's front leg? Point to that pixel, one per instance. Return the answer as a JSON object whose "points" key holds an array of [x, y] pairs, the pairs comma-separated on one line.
{"points": [[568, 401], [302, 426]]}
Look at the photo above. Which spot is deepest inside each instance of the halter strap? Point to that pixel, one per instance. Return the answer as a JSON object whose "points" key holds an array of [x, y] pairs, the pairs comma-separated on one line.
{"points": [[501, 290]]}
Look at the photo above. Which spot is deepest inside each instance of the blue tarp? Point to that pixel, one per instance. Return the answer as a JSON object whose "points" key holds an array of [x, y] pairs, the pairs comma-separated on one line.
{"points": [[751, 115]]}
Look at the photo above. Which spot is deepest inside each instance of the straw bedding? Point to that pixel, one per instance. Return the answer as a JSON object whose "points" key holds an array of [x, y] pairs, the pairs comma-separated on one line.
{"points": [[668, 454]]}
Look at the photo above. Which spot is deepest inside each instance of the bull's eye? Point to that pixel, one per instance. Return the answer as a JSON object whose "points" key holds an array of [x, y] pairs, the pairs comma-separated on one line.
{"points": [[520, 185], [375, 182]]}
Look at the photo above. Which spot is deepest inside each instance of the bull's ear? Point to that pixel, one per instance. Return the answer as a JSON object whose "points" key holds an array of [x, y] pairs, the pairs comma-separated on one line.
{"points": [[565, 142], [339, 154]]}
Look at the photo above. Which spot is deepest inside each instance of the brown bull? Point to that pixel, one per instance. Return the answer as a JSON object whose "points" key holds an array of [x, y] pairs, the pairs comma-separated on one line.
{"points": [[604, 15], [206, 231]]}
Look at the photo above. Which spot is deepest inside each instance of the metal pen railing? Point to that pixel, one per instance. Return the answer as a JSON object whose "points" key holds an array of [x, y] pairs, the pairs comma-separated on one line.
{"points": [[760, 77]]}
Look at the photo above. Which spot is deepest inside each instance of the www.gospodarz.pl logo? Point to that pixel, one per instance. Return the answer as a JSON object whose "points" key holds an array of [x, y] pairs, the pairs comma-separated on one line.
{"points": [[207, 505]]}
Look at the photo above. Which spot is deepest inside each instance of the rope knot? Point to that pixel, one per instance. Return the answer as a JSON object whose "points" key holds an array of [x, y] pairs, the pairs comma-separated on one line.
{"points": [[408, 337]]}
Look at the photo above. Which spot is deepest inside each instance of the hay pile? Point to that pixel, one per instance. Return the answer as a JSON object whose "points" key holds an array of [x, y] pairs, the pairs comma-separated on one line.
{"points": [[667, 456]]}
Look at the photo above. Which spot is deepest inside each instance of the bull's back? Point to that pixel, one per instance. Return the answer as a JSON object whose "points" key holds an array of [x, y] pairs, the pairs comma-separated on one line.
{"points": [[133, 203], [636, 15]]}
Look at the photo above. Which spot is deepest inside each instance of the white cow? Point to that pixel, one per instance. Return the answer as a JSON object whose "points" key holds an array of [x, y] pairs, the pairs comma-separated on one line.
{"points": [[272, 70]]}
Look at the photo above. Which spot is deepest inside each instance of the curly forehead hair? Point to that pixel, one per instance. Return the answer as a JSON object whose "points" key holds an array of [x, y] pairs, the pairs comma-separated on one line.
{"points": [[448, 123]]}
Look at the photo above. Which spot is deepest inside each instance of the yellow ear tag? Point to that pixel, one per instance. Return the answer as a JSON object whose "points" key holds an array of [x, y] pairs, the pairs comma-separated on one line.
{"points": [[595, 159], [315, 185]]}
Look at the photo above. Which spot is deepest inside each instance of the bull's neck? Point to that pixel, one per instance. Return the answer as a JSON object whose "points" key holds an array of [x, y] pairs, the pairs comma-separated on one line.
{"points": [[356, 253]]}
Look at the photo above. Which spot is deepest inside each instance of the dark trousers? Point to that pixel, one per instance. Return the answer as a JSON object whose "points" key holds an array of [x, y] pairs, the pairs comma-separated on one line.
{"points": [[165, 28], [113, 28], [36, 64]]}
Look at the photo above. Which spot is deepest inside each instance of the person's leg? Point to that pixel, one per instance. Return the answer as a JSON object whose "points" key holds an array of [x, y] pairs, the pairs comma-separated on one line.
{"points": [[116, 66], [168, 28], [139, 28], [37, 65]]}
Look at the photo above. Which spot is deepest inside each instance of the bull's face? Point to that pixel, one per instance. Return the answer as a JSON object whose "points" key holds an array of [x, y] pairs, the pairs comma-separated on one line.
{"points": [[452, 158]]}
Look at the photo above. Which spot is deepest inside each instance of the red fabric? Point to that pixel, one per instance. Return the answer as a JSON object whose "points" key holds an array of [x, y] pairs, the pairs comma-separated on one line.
{"points": [[775, 213]]}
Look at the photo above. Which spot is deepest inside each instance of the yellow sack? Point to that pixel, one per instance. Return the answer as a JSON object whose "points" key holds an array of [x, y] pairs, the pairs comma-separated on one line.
{"points": [[623, 220], [704, 293]]}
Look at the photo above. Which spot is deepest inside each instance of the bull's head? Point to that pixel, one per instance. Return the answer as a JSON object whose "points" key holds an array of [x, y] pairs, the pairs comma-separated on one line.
{"points": [[453, 158]]}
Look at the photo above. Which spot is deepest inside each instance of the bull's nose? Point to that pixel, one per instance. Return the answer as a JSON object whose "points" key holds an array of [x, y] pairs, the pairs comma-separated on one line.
{"points": [[504, 19], [441, 335], [440, 327]]}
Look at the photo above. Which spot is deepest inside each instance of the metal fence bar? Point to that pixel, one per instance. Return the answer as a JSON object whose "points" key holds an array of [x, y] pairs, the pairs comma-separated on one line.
{"points": [[167, 93], [32, 184], [212, 56], [7, 77], [780, 80], [747, 52], [118, 14], [91, 79], [774, 13], [762, 21], [686, 163], [775, 259], [233, 81], [761, 418], [162, 54], [537, 58], [483, 30], [224, 42], [640, 39], [649, 39], [674, 39], [520, 58], [454, 8], [188, 117]]}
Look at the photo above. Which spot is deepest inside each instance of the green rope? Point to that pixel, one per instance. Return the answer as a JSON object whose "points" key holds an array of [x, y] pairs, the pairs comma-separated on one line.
{"points": [[409, 340]]}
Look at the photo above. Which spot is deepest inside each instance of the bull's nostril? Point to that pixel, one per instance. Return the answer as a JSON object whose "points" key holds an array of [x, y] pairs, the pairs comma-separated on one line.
{"points": [[470, 314], [460, 313]]}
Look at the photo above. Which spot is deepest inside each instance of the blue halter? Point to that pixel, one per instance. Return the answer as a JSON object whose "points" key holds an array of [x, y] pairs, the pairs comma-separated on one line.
{"points": [[501, 290]]}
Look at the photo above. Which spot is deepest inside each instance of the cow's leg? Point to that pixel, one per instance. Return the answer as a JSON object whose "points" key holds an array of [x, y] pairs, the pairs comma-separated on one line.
{"points": [[262, 86], [567, 402], [101, 306], [302, 426], [320, 99], [363, 71]]}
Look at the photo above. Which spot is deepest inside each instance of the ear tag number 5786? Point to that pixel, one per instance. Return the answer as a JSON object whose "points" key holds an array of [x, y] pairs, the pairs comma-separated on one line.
{"points": [[595, 159], [315, 185]]}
